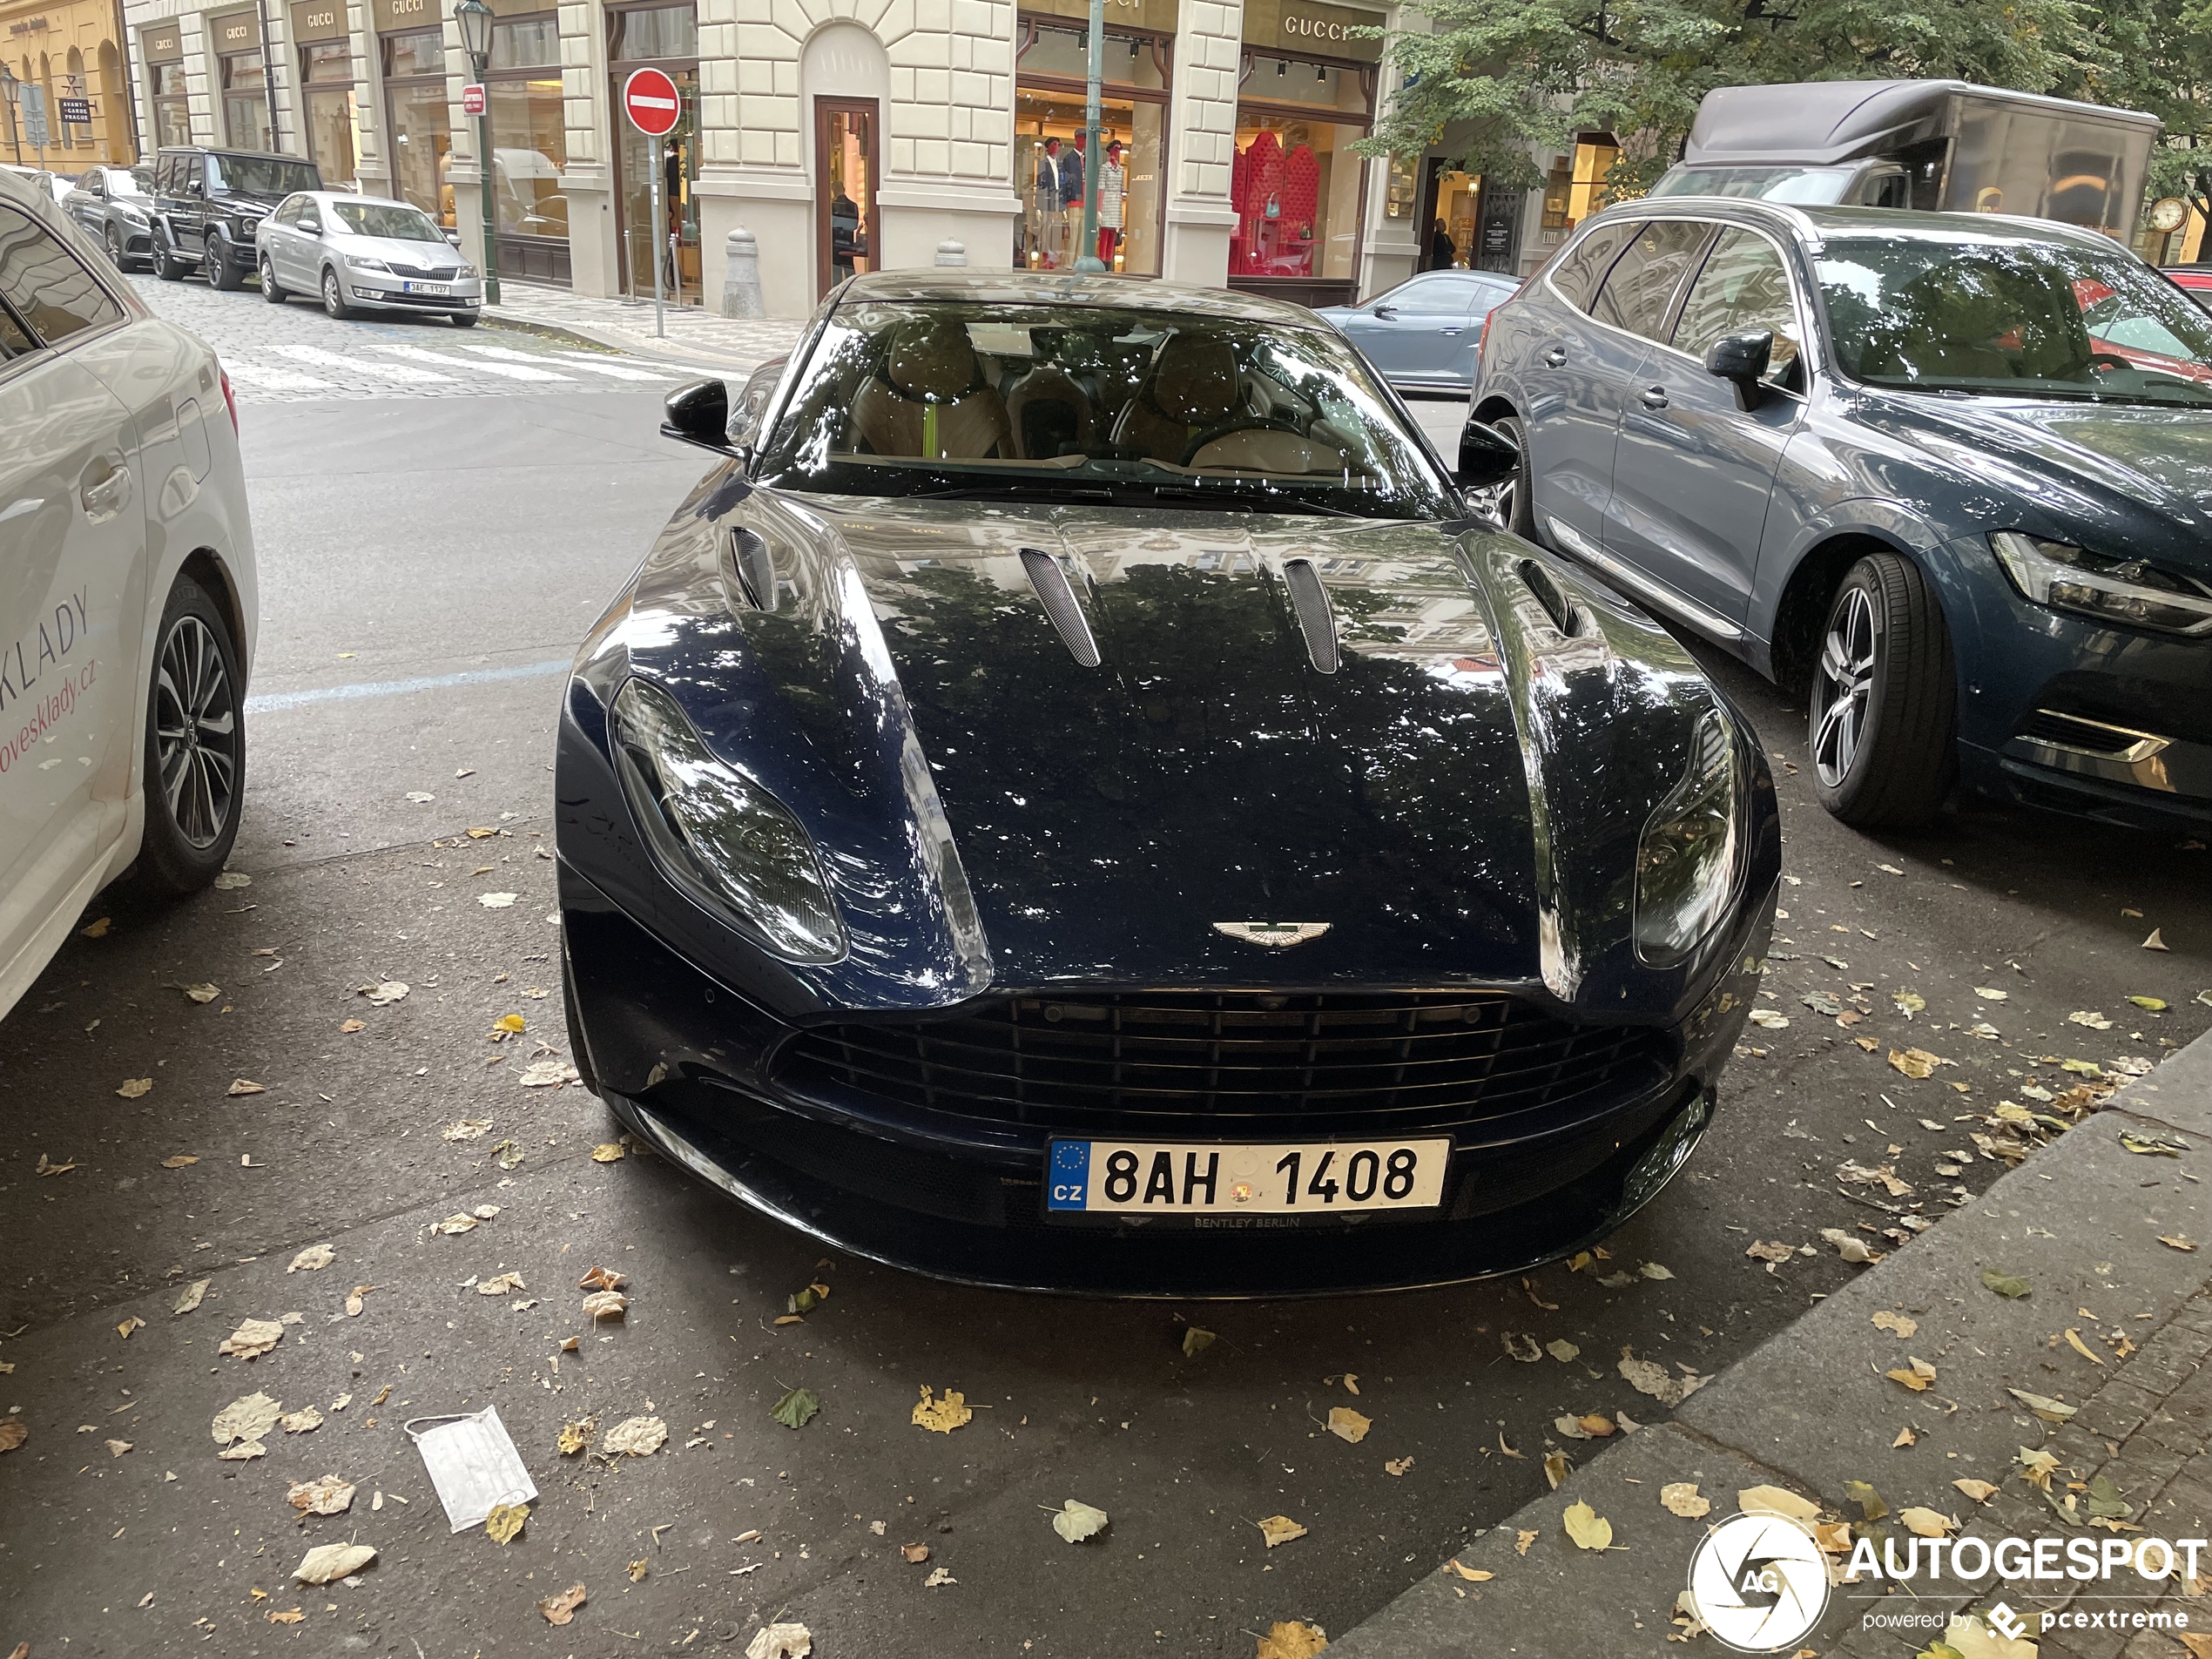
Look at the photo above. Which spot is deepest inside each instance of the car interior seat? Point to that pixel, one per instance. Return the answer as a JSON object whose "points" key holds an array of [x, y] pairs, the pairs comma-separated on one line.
{"points": [[932, 398], [1047, 414], [1194, 386]]}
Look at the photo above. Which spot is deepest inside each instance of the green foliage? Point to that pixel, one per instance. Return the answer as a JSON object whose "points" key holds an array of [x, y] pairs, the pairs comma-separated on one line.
{"points": [[1496, 77]]}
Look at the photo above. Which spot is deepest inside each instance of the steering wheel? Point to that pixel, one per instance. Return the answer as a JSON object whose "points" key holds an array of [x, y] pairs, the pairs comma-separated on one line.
{"points": [[2107, 360], [1243, 423]]}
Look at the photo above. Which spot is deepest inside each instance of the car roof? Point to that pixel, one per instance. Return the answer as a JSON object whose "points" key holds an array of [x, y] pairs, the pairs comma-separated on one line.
{"points": [[1073, 288], [1821, 123], [328, 195], [1817, 224], [224, 150]]}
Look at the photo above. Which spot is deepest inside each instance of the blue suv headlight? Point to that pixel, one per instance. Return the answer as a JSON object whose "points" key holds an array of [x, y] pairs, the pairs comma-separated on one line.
{"points": [[2093, 584]]}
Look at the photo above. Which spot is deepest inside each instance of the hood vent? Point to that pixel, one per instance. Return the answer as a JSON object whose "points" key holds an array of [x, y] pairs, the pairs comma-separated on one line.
{"points": [[1315, 620], [1051, 584], [1548, 594], [755, 569]]}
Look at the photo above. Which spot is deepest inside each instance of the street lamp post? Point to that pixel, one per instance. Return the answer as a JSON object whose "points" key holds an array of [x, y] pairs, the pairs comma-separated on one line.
{"points": [[474, 18], [1096, 71], [12, 88]]}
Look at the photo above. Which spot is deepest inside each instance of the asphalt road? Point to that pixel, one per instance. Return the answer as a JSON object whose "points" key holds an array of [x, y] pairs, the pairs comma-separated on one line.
{"points": [[423, 561]]}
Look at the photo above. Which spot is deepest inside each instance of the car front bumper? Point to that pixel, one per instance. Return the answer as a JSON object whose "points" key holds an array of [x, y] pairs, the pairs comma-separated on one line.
{"points": [[376, 288], [2063, 711], [690, 1067]]}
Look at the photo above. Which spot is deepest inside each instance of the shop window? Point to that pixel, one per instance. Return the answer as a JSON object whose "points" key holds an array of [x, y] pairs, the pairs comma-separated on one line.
{"points": [[326, 73], [528, 140], [1048, 125], [246, 100], [656, 32], [1576, 187], [171, 111], [1296, 184], [414, 90]]}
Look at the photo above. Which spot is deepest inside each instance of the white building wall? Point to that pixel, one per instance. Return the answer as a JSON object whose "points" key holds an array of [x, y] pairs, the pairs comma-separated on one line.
{"points": [[1203, 141]]}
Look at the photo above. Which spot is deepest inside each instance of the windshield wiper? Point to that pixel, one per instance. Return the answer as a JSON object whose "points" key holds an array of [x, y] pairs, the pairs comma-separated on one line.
{"points": [[1227, 500]]}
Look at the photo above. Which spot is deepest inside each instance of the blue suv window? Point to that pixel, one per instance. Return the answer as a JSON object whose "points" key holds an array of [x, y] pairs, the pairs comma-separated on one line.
{"points": [[1743, 288], [1584, 264], [1639, 292]]}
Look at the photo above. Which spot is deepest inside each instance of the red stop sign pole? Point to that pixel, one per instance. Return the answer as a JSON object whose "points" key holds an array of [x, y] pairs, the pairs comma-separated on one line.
{"points": [[654, 106]]}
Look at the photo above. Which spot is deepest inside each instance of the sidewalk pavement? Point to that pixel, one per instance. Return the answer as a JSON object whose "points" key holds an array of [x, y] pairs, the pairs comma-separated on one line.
{"points": [[694, 337], [2085, 1221]]}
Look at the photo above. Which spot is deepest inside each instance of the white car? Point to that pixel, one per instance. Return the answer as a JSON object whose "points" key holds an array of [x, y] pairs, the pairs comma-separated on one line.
{"points": [[127, 605]]}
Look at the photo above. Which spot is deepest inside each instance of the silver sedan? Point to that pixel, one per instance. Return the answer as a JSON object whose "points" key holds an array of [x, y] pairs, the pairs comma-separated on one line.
{"points": [[364, 254]]}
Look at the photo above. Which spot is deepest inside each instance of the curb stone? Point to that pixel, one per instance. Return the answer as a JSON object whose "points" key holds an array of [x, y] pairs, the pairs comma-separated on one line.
{"points": [[1810, 1409]]}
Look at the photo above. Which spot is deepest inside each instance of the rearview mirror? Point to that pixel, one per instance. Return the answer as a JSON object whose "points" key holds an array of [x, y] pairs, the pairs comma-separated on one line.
{"points": [[1742, 359], [699, 414], [1487, 457]]}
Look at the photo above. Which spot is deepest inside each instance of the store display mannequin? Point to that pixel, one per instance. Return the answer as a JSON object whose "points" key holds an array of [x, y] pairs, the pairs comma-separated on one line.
{"points": [[1112, 183], [1048, 216]]}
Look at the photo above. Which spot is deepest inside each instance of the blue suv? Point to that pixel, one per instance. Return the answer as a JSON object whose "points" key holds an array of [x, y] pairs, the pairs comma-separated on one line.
{"points": [[1949, 474]]}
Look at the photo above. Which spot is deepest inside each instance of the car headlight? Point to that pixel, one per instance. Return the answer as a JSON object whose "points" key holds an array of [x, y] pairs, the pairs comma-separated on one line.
{"points": [[243, 226], [2093, 584], [1688, 860], [468, 271], [130, 215], [362, 262], [725, 841]]}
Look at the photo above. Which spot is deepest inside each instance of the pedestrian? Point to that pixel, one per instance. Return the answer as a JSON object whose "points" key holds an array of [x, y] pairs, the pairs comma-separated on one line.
{"points": [[1443, 252]]}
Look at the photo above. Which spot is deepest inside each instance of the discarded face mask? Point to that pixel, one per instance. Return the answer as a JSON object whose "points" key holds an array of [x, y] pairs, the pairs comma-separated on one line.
{"points": [[473, 1465]]}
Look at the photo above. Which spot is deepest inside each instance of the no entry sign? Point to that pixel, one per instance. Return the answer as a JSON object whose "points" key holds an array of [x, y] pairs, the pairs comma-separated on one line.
{"points": [[472, 99], [649, 99]]}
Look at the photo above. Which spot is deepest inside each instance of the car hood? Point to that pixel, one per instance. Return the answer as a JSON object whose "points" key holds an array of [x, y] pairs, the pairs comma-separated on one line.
{"points": [[1460, 802], [254, 203], [393, 250], [2094, 458]]}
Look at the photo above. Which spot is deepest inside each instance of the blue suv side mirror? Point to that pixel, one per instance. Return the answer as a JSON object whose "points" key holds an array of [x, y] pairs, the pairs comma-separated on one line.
{"points": [[1742, 359]]}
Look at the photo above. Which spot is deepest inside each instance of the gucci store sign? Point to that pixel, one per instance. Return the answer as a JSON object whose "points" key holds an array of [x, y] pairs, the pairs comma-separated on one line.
{"points": [[398, 17], [318, 20], [239, 32], [1310, 28], [165, 44]]}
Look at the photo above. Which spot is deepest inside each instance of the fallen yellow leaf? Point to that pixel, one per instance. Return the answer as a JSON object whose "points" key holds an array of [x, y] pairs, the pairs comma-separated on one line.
{"points": [[1587, 1527], [1473, 1575]]}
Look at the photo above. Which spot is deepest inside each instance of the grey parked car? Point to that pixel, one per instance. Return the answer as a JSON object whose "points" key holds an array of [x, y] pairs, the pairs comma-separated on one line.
{"points": [[1421, 336], [115, 206], [364, 254], [1950, 473]]}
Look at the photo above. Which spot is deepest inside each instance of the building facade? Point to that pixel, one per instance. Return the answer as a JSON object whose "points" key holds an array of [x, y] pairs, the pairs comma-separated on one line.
{"points": [[847, 135], [69, 48]]}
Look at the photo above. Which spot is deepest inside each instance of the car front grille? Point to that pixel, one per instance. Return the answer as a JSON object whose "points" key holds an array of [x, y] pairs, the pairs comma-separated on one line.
{"points": [[1210, 1062], [433, 272]]}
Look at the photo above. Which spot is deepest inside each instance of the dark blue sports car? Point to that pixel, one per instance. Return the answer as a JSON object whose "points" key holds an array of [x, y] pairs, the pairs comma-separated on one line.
{"points": [[1072, 801]]}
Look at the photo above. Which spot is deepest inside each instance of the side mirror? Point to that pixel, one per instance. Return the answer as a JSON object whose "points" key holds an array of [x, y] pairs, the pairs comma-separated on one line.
{"points": [[311, 226], [1487, 457], [453, 237], [1386, 313], [699, 414], [1742, 361], [752, 407]]}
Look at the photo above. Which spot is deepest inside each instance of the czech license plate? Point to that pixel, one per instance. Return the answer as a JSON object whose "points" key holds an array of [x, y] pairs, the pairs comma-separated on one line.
{"points": [[426, 287], [1209, 1180]]}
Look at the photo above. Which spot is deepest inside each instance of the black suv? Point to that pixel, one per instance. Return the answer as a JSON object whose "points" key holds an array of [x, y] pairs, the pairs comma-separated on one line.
{"points": [[207, 203]]}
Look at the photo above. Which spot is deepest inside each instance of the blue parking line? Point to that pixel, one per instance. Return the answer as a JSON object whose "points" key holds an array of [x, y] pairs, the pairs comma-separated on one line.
{"points": [[400, 688]]}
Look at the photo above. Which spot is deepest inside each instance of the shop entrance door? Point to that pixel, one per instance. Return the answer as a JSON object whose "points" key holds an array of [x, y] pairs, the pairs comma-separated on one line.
{"points": [[846, 162], [679, 249]]}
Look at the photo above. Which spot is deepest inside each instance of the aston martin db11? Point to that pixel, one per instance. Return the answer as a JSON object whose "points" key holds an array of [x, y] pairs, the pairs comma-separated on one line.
{"points": [[1080, 798]]}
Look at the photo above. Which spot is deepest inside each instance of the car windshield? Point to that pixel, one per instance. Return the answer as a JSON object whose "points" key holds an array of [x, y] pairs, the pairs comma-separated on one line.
{"points": [[392, 220], [133, 181], [1811, 184], [1022, 401], [2041, 319], [261, 175]]}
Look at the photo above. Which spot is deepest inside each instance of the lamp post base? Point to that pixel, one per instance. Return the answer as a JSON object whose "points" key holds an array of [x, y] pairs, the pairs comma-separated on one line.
{"points": [[1090, 265]]}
